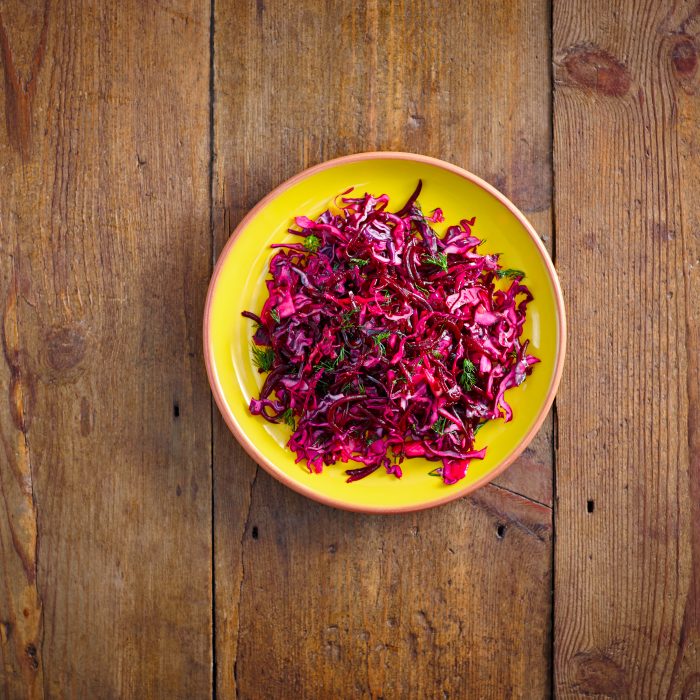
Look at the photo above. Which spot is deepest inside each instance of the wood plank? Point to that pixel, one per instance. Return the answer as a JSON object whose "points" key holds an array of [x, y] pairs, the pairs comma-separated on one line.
{"points": [[312, 602], [105, 522], [626, 154]]}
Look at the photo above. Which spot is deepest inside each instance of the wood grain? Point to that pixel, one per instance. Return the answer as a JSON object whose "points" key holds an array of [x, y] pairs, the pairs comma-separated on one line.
{"points": [[312, 602], [627, 597], [105, 520]]}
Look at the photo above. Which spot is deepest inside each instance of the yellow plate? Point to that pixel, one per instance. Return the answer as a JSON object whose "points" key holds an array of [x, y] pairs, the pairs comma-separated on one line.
{"points": [[238, 284]]}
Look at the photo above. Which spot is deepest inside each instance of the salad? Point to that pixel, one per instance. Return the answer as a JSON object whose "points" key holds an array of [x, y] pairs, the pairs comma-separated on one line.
{"points": [[383, 341]]}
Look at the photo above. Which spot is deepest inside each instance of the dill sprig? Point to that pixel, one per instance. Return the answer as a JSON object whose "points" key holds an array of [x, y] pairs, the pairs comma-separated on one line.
{"points": [[510, 273], [288, 418], [379, 338], [360, 262], [263, 358], [478, 427], [275, 315], [439, 259], [329, 364], [439, 425], [467, 378], [347, 318]]}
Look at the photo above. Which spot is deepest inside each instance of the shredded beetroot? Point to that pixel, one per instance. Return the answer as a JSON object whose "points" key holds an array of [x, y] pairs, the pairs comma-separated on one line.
{"points": [[384, 341]]}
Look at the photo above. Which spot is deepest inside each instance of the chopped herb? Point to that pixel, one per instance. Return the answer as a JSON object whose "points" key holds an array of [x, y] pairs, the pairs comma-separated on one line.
{"points": [[439, 425], [347, 318], [467, 378], [288, 418], [331, 365], [436, 472], [263, 358], [510, 273], [360, 262], [312, 243], [440, 259], [437, 354], [378, 340], [383, 335], [479, 427], [275, 315]]}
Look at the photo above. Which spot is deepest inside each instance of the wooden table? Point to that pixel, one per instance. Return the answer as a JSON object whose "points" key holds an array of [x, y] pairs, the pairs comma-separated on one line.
{"points": [[142, 554]]}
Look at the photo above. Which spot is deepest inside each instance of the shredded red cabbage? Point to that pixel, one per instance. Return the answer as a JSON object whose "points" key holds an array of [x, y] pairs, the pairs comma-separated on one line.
{"points": [[384, 341]]}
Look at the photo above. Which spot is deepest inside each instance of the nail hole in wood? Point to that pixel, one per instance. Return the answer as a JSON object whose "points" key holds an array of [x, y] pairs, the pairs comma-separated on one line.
{"points": [[590, 507], [500, 531], [254, 532], [176, 410]]}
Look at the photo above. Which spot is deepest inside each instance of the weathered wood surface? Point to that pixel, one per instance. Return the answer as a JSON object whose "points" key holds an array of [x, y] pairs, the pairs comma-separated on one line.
{"points": [[108, 220], [627, 596], [105, 494], [312, 602]]}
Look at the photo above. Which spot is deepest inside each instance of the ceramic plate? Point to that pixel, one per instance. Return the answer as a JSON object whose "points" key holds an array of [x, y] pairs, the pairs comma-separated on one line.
{"points": [[238, 284]]}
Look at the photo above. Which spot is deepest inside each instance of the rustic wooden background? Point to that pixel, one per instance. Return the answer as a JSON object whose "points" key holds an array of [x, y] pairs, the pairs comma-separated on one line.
{"points": [[142, 554]]}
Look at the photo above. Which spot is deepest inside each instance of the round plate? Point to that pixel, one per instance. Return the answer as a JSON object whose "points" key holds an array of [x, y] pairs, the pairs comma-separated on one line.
{"points": [[238, 284]]}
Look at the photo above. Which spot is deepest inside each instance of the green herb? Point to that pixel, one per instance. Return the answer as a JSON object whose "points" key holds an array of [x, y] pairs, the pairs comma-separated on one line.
{"points": [[275, 315], [331, 365], [354, 385], [387, 295], [439, 425], [378, 340], [510, 273], [513, 354], [288, 418], [440, 260], [263, 358], [360, 262], [347, 318], [379, 337], [437, 354], [423, 289], [312, 243], [479, 427], [436, 472], [467, 378]]}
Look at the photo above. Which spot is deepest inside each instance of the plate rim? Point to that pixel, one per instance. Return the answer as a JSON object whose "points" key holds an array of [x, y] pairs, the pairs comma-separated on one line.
{"points": [[268, 465]]}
